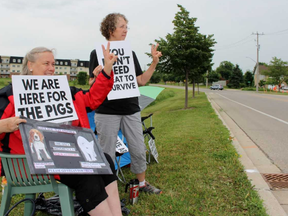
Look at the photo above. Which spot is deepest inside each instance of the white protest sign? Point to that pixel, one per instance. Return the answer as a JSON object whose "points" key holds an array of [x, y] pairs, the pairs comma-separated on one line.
{"points": [[44, 98], [125, 83], [120, 146], [153, 149]]}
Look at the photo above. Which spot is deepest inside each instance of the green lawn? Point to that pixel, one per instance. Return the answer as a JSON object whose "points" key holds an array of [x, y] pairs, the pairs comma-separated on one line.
{"points": [[198, 168]]}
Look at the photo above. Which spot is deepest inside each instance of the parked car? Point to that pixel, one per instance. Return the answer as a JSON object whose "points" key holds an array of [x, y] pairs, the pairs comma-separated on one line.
{"points": [[216, 87], [284, 87]]}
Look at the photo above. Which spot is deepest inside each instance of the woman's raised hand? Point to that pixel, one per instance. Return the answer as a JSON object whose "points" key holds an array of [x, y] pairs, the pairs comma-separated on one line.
{"points": [[109, 59], [155, 54]]}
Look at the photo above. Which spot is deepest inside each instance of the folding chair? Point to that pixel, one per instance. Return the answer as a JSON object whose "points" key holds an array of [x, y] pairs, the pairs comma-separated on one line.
{"points": [[149, 137], [21, 181]]}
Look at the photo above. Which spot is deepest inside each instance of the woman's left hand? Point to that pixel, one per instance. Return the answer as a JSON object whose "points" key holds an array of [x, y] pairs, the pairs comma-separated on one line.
{"points": [[155, 54], [109, 59]]}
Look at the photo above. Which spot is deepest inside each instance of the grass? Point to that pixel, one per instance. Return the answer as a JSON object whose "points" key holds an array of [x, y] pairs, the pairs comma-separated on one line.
{"points": [[198, 171], [198, 168]]}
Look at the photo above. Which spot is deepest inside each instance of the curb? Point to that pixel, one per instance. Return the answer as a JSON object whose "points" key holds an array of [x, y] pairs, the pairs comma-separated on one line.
{"points": [[273, 207]]}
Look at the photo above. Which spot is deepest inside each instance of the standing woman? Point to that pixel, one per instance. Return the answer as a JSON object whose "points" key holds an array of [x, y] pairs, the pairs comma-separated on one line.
{"points": [[97, 194], [123, 113]]}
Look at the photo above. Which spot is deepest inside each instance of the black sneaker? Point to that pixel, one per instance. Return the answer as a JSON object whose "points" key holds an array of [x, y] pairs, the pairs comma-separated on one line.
{"points": [[148, 188]]}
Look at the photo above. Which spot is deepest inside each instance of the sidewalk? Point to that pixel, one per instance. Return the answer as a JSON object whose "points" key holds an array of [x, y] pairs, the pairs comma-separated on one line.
{"points": [[255, 162]]}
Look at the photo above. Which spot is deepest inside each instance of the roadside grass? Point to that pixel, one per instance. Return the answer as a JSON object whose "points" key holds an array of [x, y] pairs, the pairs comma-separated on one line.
{"points": [[198, 171]]}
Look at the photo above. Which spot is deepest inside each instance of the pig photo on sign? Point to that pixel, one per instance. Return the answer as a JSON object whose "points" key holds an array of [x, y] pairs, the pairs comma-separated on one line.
{"points": [[87, 148]]}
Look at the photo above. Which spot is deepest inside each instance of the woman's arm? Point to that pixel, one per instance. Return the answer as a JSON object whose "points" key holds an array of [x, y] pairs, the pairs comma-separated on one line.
{"points": [[104, 82], [145, 77]]}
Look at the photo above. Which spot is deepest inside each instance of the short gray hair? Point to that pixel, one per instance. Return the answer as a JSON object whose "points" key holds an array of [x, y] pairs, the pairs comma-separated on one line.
{"points": [[32, 57], [108, 24]]}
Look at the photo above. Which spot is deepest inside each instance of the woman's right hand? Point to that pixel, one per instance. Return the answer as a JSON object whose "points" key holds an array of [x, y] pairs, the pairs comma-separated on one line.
{"points": [[109, 59], [11, 124]]}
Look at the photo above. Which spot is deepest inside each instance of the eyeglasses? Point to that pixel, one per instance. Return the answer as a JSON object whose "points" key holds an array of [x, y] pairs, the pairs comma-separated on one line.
{"points": [[124, 27]]}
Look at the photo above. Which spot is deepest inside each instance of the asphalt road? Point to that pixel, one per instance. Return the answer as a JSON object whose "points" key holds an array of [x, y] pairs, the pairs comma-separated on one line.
{"points": [[264, 118]]}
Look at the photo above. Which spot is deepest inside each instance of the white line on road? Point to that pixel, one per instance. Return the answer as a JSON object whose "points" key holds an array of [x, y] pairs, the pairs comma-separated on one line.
{"points": [[280, 120]]}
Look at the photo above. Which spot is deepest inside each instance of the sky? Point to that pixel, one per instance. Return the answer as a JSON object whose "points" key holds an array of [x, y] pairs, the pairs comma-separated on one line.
{"points": [[72, 27]]}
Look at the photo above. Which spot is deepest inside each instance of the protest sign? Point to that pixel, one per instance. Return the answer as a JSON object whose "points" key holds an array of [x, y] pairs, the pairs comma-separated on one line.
{"points": [[125, 83], [62, 149], [153, 149], [120, 146], [45, 98]]}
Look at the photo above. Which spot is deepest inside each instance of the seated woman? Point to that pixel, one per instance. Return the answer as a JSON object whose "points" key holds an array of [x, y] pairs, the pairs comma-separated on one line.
{"points": [[97, 194]]}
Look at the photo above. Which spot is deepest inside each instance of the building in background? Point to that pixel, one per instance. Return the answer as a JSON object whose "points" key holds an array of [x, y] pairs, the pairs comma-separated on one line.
{"points": [[12, 65], [5, 67]]}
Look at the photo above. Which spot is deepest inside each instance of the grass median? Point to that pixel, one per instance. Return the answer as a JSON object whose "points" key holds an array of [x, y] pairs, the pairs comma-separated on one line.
{"points": [[198, 170]]}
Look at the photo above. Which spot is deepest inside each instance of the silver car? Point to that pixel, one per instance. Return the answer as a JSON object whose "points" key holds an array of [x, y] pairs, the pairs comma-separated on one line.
{"points": [[216, 87]]}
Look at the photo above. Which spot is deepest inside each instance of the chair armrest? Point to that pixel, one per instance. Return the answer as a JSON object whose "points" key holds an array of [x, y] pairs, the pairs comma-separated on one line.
{"points": [[145, 117], [14, 156]]}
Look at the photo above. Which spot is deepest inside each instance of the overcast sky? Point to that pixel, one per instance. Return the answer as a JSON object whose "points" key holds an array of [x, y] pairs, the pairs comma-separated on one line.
{"points": [[72, 26]]}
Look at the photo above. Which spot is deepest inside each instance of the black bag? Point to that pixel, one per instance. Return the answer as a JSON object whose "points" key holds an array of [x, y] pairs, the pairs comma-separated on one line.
{"points": [[52, 206]]}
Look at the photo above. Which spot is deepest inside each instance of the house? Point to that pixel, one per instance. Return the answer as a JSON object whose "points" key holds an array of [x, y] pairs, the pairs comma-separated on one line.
{"points": [[262, 68]]}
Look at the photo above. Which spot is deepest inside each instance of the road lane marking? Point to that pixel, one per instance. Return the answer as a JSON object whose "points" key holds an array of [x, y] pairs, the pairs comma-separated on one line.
{"points": [[273, 117]]}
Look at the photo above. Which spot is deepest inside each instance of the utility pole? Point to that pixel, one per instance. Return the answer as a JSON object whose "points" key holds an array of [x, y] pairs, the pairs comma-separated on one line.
{"points": [[257, 63]]}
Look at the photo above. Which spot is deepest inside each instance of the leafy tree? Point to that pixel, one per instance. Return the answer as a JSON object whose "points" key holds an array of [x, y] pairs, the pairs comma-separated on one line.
{"points": [[236, 78], [82, 78], [156, 78], [225, 69], [180, 78], [186, 52], [213, 76], [270, 81], [262, 83], [248, 78], [277, 71]]}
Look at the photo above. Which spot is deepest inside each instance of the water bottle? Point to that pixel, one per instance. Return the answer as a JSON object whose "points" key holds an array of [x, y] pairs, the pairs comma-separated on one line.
{"points": [[133, 191]]}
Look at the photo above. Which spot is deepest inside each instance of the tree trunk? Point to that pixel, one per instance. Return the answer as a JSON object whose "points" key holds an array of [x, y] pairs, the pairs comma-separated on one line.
{"points": [[193, 87], [186, 90]]}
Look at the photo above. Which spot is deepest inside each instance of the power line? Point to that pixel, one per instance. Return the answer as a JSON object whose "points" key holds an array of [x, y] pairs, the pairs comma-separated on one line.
{"points": [[277, 33], [240, 42], [248, 39]]}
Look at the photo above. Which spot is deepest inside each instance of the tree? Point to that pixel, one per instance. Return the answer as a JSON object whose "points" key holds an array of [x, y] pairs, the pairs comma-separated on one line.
{"points": [[225, 69], [236, 78], [213, 76], [277, 71], [156, 78], [186, 52], [248, 78], [82, 78], [262, 83]]}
